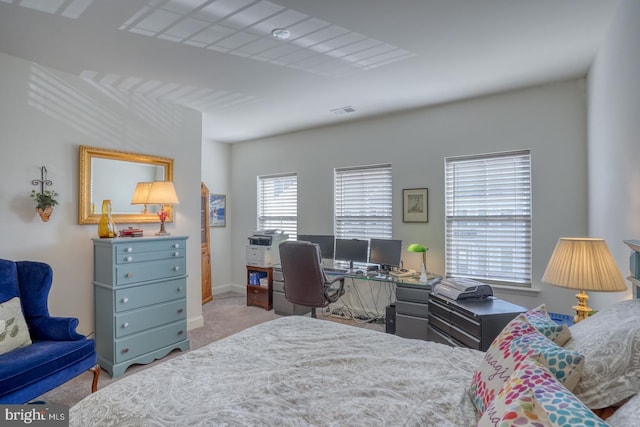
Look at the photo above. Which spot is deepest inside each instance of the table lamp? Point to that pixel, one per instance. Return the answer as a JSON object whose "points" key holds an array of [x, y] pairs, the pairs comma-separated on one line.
{"points": [[417, 247], [584, 264], [162, 193], [141, 194]]}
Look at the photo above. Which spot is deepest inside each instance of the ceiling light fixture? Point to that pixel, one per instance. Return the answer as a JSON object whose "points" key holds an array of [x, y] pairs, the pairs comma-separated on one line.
{"points": [[280, 34]]}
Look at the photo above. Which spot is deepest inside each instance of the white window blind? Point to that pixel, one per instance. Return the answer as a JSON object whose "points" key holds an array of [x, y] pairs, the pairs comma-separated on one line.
{"points": [[488, 217], [363, 202], [278, 203]]}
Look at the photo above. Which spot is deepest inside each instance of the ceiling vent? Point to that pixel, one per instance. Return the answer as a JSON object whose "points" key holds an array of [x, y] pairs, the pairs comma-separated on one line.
{"points": [[343, 110]]}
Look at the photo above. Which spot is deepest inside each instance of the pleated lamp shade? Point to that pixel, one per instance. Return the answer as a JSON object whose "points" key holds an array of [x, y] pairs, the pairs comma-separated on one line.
{"points": [[584, 264], [162, 193], [141, 193]]}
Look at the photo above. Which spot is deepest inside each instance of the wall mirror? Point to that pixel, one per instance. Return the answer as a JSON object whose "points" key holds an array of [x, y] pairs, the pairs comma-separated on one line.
{"points": [[113, 175]]}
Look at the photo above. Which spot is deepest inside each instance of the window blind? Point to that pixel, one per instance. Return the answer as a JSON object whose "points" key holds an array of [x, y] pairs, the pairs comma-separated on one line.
{"points": [[278, 203], [488, 217], [363, 202]]}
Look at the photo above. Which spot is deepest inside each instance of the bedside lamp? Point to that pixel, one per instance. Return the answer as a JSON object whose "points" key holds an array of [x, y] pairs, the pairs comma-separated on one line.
{"points": [[162, 193], [417, 247], [584, 264], [140, 195]]}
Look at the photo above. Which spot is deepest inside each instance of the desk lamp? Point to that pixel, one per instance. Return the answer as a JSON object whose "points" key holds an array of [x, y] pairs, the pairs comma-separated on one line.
{"points": [[162, 193], [417, 247], [141, 194], [584, 264]]}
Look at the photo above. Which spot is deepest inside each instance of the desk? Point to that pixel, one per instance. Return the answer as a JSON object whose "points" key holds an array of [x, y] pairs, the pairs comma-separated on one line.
{"points": [[408, 296]]}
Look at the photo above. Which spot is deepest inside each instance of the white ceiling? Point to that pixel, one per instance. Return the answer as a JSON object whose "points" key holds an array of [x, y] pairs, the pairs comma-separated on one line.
{"points": [[375, 56]]}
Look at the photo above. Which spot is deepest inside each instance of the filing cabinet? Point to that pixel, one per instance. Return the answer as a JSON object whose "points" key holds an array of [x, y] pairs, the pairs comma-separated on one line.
{"points": [[412, 310], [140, 287]]}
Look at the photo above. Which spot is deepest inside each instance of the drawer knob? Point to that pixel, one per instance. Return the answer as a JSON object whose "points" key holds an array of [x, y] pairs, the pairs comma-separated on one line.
{"points": [[125, 325], [176, 268], [125, 350], [125, 300], [176, 246], [179, 289], [129, 275], [129, 258], [176, 254], [180, 332], [180, 310], [129, 249]]}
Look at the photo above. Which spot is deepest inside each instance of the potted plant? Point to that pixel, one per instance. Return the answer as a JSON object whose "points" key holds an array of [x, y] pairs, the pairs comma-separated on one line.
{"points": [[45, 203]]}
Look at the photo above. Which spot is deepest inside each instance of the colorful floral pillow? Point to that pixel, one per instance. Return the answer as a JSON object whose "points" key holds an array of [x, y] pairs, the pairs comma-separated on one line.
{"points": [[518, 341], [14, 332], [533, 397], [539, 317]]}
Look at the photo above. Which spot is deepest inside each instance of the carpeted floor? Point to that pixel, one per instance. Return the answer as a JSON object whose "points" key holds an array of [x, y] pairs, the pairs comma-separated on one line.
{"points": [[224, 316]]}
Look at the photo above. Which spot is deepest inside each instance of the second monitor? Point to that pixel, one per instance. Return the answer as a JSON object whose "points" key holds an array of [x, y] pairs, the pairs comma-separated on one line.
{"points": [[324, 241], [386, 252], [352, 250]]}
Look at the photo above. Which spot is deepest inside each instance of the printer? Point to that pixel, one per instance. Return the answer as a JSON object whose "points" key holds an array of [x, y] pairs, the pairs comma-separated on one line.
{"points": [[459, 289], [262, 250]]}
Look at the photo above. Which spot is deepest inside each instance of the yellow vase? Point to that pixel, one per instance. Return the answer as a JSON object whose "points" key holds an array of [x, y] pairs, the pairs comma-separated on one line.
{"points": [[106, 226]]}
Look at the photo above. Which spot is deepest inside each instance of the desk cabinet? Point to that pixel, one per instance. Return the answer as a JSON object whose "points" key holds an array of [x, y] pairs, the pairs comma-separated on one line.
{"points": [[473, 324], [140, 287], [412, 310], [260, 295], [280, 304]]}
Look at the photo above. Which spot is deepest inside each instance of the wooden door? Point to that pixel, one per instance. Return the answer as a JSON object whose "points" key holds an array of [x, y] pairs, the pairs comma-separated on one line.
{"points": [[205, 239]]}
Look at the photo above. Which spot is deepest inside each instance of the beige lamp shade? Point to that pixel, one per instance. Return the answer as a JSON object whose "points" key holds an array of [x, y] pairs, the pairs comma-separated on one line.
{"points": [[584, 264], [141, 193], [162, 193]]}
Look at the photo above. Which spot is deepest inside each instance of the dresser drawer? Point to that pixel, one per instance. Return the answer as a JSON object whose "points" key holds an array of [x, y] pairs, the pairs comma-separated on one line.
{"points": [[138, 320], [470, 325], [139, 247], [151, 270], [411, 327], [126, 258], [144, 342], [153, 293]]}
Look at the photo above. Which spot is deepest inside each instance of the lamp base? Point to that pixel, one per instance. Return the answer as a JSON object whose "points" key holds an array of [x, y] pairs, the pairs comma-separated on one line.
{"points": [[582, 309], [162, 231]]}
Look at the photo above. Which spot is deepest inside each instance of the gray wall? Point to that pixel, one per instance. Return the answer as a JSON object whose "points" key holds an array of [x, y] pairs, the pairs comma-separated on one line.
{"points": [[550, 120]]}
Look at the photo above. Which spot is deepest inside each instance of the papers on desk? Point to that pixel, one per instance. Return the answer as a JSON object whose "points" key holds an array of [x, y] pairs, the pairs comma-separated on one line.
{"points": [[402, 272]]}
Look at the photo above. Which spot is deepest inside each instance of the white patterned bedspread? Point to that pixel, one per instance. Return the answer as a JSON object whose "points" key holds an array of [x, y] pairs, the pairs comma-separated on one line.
{"points": [[294, 371]]}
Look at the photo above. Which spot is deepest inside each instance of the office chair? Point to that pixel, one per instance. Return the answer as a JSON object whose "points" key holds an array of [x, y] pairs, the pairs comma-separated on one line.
{"points": [[305, 282]]}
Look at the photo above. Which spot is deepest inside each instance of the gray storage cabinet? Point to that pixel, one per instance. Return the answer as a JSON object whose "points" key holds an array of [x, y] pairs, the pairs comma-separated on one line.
{"points": [[140, 287]]}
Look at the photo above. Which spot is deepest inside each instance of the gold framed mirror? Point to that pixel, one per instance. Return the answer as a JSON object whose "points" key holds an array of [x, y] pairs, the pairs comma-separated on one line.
{"points": [[113, 175]]}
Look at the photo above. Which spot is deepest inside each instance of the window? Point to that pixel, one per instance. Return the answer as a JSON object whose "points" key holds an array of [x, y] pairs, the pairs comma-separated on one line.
{"points": [[278, 203], [488, 217], [363, 202]]}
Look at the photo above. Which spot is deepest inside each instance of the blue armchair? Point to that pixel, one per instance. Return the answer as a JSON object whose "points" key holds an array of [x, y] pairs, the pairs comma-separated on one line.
{"points": [[57, 353]]}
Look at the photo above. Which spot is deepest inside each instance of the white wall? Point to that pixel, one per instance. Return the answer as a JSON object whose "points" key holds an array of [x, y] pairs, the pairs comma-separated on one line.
{"points": [[216, 158], [550, 120], [45, 116], [614, 140]]}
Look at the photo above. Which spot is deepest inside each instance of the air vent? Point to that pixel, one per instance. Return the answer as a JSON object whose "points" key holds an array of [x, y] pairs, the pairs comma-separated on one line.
{"points": [[343, 110]]}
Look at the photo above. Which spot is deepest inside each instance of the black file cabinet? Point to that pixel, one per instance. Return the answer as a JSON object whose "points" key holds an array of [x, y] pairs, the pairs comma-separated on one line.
{"points": [[473, 324]]}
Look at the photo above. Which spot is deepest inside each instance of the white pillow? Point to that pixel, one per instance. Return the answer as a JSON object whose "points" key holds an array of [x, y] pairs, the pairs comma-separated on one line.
{"points": [[610, 343], [14, 332], [627, 415]]}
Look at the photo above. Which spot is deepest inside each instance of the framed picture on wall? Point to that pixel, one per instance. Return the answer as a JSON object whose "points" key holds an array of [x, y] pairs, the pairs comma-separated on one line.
{"points": [[415, 205], [217, 210]]}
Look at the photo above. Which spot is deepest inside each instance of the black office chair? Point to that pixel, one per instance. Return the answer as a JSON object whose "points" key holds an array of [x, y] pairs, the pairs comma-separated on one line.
{"points": [[305, 282]]}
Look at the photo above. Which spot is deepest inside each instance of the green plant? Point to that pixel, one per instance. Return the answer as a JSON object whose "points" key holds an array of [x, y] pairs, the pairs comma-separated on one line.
{"points": [[47, 198]]}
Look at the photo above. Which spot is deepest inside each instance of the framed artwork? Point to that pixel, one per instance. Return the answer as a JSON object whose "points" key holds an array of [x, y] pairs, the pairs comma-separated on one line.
{"points": [[217, 210], [415, 205]]}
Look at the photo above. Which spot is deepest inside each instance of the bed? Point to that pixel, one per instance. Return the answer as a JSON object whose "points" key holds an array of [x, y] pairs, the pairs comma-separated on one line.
{"points": [[299, 371]]}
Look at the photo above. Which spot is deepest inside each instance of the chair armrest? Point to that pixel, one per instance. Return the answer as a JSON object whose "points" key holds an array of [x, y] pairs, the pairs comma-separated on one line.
{"points": [[54, 329], [331, 293]]}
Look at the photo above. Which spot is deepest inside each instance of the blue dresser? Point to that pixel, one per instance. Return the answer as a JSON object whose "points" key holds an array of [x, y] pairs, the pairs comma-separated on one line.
{"points": [[140, 287]]}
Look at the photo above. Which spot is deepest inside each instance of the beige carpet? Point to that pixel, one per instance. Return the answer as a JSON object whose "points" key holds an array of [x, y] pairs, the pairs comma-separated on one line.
{"points": [[224, 316]]}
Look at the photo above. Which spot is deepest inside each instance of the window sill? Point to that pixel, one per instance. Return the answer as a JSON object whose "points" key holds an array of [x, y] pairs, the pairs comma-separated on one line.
{"points": [[512, 290]]}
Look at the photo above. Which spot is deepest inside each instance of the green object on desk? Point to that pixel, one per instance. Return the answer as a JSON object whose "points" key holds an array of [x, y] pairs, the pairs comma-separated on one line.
{"points": [[417, 247]]}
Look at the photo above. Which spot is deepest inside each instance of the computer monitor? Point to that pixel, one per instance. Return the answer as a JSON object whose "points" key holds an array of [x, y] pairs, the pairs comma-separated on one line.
{"points": [[352, 250], [385, 252], [325, 242]]}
